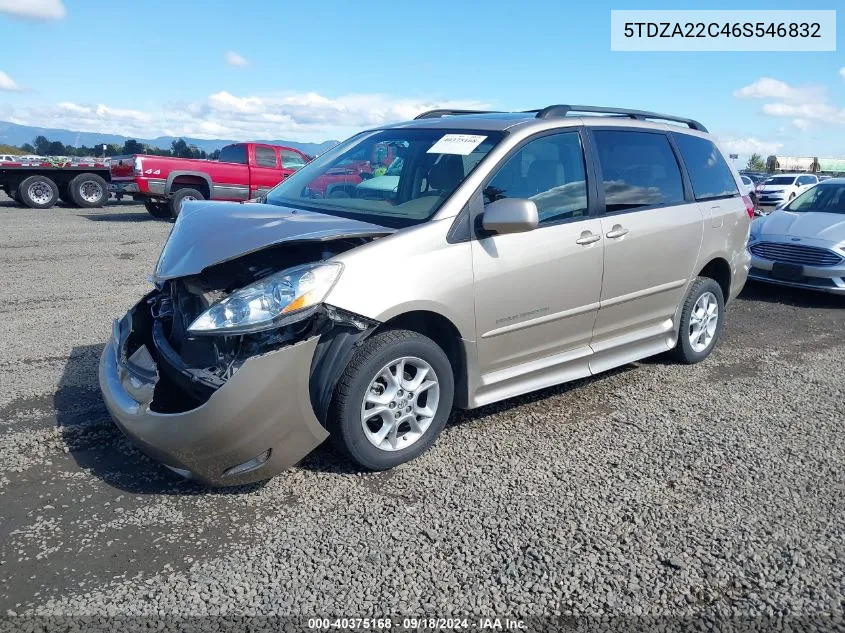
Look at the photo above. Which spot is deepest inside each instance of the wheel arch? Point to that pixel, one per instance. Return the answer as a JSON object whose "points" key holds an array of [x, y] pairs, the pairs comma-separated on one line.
{"points": [[442, 331], [719, 270], [197, 179]]}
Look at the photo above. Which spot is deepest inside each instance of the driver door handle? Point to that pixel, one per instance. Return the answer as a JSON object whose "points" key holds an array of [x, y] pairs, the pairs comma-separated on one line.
{"points": [[587, 238], [616, 231]]}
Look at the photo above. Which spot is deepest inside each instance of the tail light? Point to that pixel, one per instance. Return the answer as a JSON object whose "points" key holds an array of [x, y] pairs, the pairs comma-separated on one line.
{"points": [[749, 206], [138, 167]]}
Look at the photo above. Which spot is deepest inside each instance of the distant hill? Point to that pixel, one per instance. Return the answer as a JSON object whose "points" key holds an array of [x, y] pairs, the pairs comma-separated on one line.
{"points": [[14, 134]]}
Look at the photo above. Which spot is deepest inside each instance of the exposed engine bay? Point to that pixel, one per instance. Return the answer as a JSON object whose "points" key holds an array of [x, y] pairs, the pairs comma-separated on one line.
{"points": [[190, 368]]}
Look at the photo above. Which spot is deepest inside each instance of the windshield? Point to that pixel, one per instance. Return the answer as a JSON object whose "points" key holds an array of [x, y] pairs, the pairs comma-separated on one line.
{"points": [[823, 198], [780, 180], [395, 177]]}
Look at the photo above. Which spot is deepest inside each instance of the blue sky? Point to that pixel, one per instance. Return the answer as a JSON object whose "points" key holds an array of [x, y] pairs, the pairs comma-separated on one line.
{"points": [[313, 71]]}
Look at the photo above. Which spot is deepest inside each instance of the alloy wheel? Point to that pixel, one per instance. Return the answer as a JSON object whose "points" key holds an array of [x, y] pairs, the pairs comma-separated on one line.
{"points": [[40, 193], [400, 403], [703, 321]]}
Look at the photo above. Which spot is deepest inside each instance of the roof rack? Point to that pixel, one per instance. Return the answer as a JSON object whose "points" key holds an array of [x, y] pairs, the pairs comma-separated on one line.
{"points": [[436, 114], [555, 111], [561, 110]]}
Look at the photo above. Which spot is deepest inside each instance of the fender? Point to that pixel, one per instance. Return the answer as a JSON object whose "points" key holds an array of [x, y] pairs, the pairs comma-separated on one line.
{"points": [[173, 175]]}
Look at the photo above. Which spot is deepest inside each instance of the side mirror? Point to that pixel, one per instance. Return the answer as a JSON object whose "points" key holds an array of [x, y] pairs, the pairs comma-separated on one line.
{"points": [[510, 215]]}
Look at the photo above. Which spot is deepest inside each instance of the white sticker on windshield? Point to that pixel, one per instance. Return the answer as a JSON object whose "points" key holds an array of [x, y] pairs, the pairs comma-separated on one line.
{"points": [[461, 144]]}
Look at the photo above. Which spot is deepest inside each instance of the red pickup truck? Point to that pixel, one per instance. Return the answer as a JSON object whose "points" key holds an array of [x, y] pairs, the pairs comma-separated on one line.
{"points": [[243, 171]]}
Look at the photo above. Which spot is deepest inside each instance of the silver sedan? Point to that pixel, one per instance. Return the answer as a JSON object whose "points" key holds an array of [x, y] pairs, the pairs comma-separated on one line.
{"points": [[802, 244]]}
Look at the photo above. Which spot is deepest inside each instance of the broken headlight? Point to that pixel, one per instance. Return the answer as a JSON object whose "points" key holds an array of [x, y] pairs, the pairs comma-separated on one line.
{"points": [[267, 303]]}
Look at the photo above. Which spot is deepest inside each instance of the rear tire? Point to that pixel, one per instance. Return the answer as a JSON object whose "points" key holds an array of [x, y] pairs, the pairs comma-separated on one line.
{"points": [[159, 210], [179, 197], [702, 318], [38, 192], [421, 415], [88, 191]]}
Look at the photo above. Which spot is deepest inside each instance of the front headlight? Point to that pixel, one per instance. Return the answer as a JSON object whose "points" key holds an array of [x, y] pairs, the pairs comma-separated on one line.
{"points": [[754, 233], [268, 302]]}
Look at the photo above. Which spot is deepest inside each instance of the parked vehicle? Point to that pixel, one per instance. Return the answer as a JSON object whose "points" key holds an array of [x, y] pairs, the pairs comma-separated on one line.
{"points": [[782, 189], [41, 185], [749, 188], [517, 251], [9, 158], [243, 171], [342, 180], [803, 243], [756, 176]]}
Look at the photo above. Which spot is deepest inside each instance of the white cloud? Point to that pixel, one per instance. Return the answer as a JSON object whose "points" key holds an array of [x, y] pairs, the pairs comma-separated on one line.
{"points": [[805, 106], [842, 72], [8, 84], [293, 116], [749, 145], [233, 59], [34, 9], [768, 88]]}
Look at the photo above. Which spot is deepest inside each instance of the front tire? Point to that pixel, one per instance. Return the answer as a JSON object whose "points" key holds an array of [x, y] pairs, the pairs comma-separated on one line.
{"points": [[38, 192], [702, 318], [393, 399]]}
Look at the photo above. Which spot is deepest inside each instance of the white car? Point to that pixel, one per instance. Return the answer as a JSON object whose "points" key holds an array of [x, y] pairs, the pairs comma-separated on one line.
{"points": [[782, 189], [747, 185], [8, 158]]}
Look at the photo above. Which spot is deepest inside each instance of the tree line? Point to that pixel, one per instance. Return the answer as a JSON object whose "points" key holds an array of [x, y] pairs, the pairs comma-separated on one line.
{"points": [[179, 148]]}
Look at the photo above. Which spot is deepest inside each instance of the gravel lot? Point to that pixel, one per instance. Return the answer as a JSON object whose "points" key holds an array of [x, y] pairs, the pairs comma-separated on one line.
{"points": [[655, 489]]}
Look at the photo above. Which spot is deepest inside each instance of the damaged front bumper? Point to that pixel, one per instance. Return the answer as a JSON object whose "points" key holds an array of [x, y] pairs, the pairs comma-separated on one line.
{"points": [[258, 423]]}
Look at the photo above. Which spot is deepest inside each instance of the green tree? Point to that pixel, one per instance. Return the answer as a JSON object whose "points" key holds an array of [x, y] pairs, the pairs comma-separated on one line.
{"points": [[180, 148], [42, 145], [56, 148], [131, 146], [27, 148], [756, 163]]}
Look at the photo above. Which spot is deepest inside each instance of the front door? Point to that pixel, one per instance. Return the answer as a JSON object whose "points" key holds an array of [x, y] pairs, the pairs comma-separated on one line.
{"points": [[537, 293], [264, 172]]}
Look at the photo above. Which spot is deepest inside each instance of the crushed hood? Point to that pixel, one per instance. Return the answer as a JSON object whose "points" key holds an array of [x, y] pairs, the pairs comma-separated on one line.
{"points": [[822, 226], [209, 233]]}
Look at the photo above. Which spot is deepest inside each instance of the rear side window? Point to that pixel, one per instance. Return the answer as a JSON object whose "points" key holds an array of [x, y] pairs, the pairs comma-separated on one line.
{"points": [[639, 169], [709, 173], [265, 156], [233, 154]]}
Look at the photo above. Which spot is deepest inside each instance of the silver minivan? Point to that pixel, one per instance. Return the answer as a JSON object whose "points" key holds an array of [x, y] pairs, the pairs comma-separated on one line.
{"points": [[511, 252]]}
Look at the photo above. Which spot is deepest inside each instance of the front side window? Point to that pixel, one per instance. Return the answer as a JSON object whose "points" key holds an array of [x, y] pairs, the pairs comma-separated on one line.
{"points": [[292, 160], [709, 174], [823, 198], [548, 170], [395, 177], [265, 156], [233, 154], [638, 169]]}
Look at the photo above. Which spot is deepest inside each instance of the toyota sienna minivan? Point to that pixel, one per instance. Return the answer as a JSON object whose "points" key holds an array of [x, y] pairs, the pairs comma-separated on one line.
{"points": [[515, 250]]}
